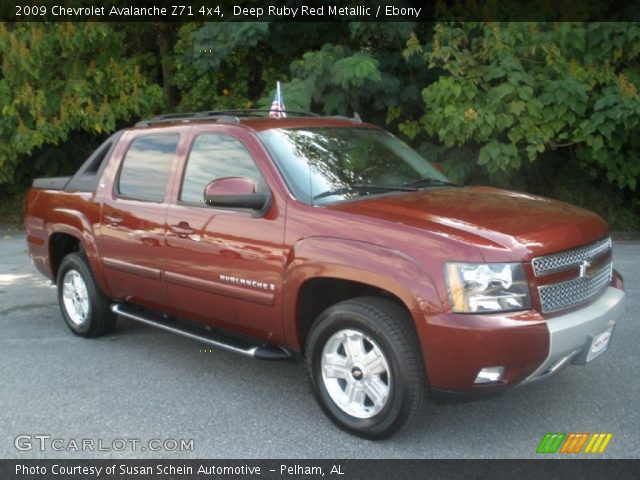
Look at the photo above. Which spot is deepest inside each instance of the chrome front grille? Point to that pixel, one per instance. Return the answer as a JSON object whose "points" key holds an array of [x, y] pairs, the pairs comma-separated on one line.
{"points": [[570, 258], [572, 293], [593, 276]]}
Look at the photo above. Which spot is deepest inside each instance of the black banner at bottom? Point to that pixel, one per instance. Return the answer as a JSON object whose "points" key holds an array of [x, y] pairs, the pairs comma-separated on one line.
{"points": [[315, 469]]}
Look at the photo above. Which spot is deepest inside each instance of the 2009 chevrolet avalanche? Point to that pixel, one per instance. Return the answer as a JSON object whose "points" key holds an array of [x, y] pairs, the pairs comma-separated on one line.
{"points": [[329, 237]]}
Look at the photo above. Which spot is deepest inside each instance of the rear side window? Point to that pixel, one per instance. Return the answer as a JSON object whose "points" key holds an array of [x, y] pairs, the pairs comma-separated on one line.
{"points": [[215, 156], [147, 166]]}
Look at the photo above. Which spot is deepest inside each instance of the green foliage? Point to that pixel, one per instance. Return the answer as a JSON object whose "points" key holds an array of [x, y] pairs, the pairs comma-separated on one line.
{"points": [[230, 65], [366, 72], [556, 176], [350, 67], [216, 41], [513, 91], [57, 79], [491, 102]]}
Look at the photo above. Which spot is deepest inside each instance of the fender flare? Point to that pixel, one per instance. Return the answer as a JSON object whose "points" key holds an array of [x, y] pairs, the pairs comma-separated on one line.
{"points": [[76, 224], [363, 262]]}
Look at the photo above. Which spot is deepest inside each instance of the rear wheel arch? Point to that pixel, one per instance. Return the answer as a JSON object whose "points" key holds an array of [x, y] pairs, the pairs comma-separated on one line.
{"points": [[66, 239], [61, 245]]}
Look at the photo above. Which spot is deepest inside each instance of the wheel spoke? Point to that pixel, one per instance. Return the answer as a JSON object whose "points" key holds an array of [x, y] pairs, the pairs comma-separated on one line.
{"points": [[358, 398], [335, 366], [84, 307], [75, 297], [376, 391], [353, 397], [67, 292], [353, 368], [374, 363], [349, 391], [82, 291], [354, 347]]}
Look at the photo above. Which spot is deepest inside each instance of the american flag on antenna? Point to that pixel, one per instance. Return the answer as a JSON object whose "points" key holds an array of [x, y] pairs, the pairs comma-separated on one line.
{"points": [[277, 106]]}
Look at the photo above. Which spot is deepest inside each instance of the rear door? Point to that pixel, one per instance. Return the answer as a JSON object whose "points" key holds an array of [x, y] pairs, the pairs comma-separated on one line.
{"points": [[224, 265], [133, 215]]}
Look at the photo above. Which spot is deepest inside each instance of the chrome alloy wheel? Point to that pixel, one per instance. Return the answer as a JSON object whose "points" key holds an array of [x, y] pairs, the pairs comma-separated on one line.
{"points": [[356, 373], [76, 297]]}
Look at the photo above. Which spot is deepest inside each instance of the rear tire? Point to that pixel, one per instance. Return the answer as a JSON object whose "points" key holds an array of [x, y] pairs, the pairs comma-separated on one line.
{"points": [[365, 366], [85, 309]]}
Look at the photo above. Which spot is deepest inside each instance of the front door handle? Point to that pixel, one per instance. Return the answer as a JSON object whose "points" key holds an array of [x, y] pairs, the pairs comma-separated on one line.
{"points": [[114, 219], [182, 229]]}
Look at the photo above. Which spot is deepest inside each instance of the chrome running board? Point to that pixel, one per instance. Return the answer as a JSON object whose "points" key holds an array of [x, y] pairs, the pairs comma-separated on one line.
{"points": [[261, 352]]}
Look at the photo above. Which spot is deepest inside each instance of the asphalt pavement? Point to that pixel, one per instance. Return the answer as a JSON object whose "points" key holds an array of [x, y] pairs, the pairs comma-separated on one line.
{"points": [[153, 389]]}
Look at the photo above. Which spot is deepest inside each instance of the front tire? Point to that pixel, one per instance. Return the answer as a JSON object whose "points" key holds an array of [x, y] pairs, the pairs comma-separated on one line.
{"points": [[365, 366], [85, 309]]}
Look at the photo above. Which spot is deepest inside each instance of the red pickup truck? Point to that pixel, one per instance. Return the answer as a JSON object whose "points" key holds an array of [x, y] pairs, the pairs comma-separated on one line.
{"points": [[326, 237]]}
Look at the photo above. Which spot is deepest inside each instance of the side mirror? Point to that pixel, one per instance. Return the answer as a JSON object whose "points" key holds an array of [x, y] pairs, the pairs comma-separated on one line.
{"points": [[235, 192]]}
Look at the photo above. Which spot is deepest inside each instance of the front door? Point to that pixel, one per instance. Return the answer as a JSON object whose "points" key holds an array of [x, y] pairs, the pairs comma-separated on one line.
{"points": [[224, 266]]}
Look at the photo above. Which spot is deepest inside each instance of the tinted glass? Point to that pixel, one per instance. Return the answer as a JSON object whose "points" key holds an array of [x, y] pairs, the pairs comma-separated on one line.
{"points": [[95, 164], [147, 166], [330, 164], [215, 156]]}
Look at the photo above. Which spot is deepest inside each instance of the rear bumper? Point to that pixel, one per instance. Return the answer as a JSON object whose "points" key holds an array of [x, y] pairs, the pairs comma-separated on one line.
{"points": [[529, 347], [570, 335]]}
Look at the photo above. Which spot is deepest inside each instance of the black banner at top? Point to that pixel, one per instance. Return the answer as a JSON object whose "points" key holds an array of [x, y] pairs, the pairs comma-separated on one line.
{"points": [[317, 11]]}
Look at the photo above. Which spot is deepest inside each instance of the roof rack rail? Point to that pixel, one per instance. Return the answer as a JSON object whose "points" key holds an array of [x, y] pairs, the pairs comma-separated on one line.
{"points": [[228, 115], [185, 117], [255, 112]]}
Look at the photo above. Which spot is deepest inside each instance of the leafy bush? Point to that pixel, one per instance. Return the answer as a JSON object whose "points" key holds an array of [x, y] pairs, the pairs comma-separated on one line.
{"points": [[61, 78], [513, 91], [559, 177]]}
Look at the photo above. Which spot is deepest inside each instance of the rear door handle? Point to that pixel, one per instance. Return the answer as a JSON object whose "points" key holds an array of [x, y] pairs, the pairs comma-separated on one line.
{"points": [[113, 219], [182, 229]]}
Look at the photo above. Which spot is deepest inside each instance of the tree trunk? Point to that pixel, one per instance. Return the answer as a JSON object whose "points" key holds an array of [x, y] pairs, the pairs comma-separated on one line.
{"points": [[166, 34]]}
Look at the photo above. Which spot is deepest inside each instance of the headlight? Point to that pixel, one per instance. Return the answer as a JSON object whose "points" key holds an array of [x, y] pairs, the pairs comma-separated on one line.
{"points": [[487, 287]]}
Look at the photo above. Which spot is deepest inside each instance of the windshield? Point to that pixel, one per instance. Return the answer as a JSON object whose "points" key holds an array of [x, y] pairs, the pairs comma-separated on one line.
{"points": [[323, 165]]}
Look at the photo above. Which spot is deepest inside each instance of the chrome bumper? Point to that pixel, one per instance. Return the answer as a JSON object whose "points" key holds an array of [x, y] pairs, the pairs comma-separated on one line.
{"points": [[570, 335]]}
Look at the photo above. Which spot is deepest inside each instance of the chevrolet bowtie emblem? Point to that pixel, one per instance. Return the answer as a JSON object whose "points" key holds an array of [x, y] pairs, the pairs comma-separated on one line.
{"points": [[587, 269], [583, 268]]}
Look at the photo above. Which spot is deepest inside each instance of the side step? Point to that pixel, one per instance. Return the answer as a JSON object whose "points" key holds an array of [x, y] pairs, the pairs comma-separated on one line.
{"points": [[261, 352]]}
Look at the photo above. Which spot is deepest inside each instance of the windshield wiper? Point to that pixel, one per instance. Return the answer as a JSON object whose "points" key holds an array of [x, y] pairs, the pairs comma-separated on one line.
{"points": [[364, 188], [429, 182]]}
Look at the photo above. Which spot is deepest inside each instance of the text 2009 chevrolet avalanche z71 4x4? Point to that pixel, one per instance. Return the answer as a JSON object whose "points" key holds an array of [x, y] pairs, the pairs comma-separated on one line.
{"points": [[332, 238]]}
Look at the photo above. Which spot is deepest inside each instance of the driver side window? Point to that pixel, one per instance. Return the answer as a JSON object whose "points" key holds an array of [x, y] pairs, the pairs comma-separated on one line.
{"points": [[215, 156]]}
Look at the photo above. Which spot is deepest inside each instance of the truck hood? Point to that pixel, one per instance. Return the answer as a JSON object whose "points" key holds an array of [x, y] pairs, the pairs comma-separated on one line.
{"points": [[498, 222]]}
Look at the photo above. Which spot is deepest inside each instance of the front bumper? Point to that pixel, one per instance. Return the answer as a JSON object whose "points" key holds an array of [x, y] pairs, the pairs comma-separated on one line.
{"points": [[570, 335], [457, 346]]}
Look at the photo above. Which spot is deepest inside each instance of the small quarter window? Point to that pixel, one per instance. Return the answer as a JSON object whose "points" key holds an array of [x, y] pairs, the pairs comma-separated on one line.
{"points": [[147, 166], [95, 164]]}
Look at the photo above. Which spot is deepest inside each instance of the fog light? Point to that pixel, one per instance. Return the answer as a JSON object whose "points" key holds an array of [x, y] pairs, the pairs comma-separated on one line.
{"points": [[490, 375]]}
